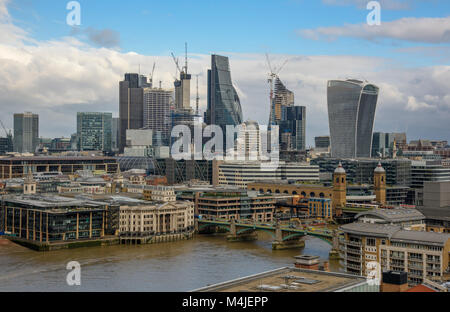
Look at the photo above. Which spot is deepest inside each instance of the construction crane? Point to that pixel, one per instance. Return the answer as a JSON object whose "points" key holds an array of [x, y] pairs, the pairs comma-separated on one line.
{"points": [[151, 76], [273, 74], [197, 99], [177, 64]]}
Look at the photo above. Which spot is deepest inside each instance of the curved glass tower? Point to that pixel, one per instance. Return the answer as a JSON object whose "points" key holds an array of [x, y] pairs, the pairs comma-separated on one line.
{"points": [[351, 115], [224, 107]]}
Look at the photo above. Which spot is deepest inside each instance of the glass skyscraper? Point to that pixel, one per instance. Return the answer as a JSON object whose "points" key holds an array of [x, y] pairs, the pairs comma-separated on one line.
{"points": [[94, 131], [26, 132], [351, 114], [224, 107]]}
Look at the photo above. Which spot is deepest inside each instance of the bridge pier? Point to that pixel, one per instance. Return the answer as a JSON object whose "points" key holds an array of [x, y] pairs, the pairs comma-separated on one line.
{"points": [[281, 243], [234, 236], [334, 252]]}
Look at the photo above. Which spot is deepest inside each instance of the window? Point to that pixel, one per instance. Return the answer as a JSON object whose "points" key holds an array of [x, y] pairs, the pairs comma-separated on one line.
{"points": [[370, 241]]}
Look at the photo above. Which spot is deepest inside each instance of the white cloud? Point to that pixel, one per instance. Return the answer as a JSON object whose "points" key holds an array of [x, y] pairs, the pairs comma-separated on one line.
{"points": [[57, 78], [427, 30]]}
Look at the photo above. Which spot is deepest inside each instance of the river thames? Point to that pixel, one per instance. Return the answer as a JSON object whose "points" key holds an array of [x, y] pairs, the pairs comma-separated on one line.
{"points": [[176, 266]]}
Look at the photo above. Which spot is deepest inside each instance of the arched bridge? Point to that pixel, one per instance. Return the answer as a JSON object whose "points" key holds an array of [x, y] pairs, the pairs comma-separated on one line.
{"points": [[284, 237]]}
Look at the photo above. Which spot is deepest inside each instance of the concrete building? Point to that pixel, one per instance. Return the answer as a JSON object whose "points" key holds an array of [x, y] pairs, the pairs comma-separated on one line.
{"points": [[436, 206], [248, 142], [142, 220], [351, 112], [131, 105], [139, 143], [240, 174], [236, 204], [26, 132], [94, 131], [18, 167], [156, 114], [428, 171], [421, 254]]}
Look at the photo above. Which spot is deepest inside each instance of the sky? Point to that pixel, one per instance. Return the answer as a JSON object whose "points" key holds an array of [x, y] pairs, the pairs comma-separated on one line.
{"points": [[55, 70]]}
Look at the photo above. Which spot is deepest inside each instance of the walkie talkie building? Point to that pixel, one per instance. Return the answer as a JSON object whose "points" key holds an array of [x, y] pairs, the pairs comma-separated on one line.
{"points": [[351, 114]]}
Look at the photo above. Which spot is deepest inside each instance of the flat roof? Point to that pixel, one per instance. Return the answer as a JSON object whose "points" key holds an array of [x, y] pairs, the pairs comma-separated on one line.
{"points": [[288, 279], [22, 158]]}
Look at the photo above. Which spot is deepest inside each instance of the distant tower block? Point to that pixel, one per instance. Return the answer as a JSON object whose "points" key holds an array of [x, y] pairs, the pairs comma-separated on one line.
{"points": [[339, 189], [379, 178]]}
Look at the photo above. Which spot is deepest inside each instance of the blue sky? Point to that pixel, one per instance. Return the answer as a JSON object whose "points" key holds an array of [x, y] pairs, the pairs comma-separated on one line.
{"points": [[239, 26], [56, 70]]}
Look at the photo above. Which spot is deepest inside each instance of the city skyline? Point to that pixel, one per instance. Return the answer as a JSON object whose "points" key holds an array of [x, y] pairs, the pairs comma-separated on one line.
{"points": [[412, 87]]}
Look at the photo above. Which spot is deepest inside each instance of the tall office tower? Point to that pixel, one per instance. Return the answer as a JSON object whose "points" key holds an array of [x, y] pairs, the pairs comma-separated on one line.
{"points": [[282, 99], [248, 142], [26, 132], [157, 103], [351, 114], [131, 98], [94, 131], [224, 107], [293, 128], [322, 141], [115, 134], [183, 91]]}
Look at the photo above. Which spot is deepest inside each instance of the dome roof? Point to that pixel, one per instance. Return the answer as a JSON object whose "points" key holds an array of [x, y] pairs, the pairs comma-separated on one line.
{"points": [[379, 169], [339, 169]]}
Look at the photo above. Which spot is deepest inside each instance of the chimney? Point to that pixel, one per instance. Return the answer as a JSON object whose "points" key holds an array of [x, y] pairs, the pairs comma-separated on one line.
{"points": [[393, 281]]}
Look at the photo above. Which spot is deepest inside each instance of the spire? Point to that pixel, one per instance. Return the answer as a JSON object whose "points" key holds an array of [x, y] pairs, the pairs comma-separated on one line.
{"points": [[29, 177]]}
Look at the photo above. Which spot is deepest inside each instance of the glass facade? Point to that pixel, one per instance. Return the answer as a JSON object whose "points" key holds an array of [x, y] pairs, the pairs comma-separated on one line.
{"points": [[94, 131], [224, 107], [351, 114]]}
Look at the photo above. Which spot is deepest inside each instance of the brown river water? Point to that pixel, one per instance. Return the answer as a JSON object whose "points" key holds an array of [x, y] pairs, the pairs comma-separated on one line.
{"points": [[176, 266]]}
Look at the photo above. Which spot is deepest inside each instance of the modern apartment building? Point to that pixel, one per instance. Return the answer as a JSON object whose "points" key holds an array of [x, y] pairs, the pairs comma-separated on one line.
{"points": [[322, 141], [424, 255], [351, 114], [26, 132]]}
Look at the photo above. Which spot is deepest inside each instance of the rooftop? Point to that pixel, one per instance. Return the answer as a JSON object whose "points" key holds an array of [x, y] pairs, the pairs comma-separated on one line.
{"points": [[288, 280], [393, 215]]}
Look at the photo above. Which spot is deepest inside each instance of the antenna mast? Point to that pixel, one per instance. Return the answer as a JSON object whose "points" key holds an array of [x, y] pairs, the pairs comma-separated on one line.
{"points": [[197, 99]]}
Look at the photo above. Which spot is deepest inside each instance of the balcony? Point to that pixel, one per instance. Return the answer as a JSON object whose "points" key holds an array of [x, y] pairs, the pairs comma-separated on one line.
{"points": [[353, 243], [354, 266], [398, 257], [434, 261], [353, 258]]}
